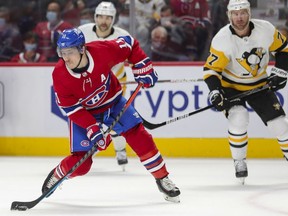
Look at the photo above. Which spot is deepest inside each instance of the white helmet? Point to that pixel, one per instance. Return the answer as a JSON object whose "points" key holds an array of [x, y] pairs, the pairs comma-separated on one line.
{"points": [[238, 5], [106, 8]]}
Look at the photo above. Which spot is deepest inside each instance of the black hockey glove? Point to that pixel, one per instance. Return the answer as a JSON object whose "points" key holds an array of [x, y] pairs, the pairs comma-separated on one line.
{"points": [[277, 79], [275, 82], [218, 100]]}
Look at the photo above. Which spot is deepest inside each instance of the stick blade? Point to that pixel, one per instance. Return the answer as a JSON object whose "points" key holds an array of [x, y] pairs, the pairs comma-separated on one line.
{"points": [[22, 206]]}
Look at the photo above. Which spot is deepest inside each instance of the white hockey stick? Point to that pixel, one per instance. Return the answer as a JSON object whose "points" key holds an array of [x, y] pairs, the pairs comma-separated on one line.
{"points": [[167, 81]]}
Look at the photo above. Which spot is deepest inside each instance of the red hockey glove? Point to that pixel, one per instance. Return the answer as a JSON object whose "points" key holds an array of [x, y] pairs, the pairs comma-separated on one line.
{"points": [[95, 134], [144, 73], [218, 100]]}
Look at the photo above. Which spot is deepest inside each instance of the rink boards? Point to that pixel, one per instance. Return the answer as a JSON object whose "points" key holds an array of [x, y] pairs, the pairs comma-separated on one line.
{"points": [[31, 123]]}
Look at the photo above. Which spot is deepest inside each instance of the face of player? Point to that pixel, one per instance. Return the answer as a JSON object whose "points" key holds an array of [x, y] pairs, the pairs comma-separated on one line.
{"points": [[240, 20], [104, 22], [71, 56]]}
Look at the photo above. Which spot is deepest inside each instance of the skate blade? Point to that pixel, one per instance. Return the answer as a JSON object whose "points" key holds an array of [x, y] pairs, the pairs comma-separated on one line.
{"points": [[172, 199], [242, 180], [123, 167]]}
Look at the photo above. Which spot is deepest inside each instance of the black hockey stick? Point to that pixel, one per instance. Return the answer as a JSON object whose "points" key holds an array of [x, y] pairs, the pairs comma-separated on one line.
{"points": [[152, 126], [167, 81], [23, 206]]}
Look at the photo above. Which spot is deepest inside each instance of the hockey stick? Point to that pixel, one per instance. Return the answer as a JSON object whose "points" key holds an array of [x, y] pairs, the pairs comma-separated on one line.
{"points": [[152, 126], [166, 81], [23, 206]]}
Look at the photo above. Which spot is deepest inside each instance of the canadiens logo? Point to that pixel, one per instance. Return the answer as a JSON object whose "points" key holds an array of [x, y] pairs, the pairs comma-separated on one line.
{"points": [[85, 143], [101, 143], [251, 60], [96, 98]]}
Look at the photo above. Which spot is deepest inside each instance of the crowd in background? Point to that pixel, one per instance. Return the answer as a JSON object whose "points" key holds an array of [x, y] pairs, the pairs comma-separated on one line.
{"points": [[168, 30]]}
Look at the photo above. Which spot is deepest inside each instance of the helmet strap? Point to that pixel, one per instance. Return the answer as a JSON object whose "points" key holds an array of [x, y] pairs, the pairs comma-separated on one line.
{"points": [[82, 69]]}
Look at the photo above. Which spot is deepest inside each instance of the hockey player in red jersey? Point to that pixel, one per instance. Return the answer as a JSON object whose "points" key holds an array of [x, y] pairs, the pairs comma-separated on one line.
{"points": [[91, 96]]}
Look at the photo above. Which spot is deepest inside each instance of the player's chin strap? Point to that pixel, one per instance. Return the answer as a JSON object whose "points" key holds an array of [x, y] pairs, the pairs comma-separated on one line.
{"points": [[81, 51], [23, 206], [81, 56], [245, 94]]}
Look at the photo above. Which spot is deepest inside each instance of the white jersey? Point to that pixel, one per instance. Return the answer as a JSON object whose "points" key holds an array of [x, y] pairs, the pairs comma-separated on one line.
{"points": [[241, 63], [89, 31]]}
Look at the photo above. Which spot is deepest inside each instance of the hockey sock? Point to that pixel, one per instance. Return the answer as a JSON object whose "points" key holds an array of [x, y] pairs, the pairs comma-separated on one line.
{"points": [[67, 163], [143, 145]]}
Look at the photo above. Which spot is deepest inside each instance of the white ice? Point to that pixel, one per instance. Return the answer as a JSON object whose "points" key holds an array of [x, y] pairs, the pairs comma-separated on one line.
{"points": [[208, 188]]}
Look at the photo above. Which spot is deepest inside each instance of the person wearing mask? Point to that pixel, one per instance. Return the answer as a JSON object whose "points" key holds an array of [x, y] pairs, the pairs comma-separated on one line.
{"points": [[48, 31], [86, 16], [29, 55], [10, 37]]}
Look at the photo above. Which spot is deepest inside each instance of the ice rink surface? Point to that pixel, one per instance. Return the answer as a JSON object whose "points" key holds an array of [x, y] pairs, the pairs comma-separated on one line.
{"points": [[208, 188]]}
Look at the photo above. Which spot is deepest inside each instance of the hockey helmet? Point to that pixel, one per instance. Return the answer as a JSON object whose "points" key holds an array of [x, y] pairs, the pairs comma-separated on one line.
{"points": [[238, 5], [106, 8], [70, 38], [235, 5]]}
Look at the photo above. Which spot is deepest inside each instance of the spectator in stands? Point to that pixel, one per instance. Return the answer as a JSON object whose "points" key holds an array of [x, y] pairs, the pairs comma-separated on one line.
{"points": [[29, 16], [167, 17], [192, 10], [179, 35], [218, 15], [72, 10], [123, 15], [48, 31], [196, 15], [86, 16], [29, 55], [163, 49], [147, 17], [10, 37]]}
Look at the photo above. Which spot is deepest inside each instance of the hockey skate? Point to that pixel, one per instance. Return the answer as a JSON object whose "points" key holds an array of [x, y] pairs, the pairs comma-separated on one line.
{"points": [[241, 171], [170, 191], [49, 182], [122, 158]]}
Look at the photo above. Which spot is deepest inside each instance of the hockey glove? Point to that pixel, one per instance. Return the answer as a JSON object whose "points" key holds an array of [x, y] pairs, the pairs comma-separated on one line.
{"points": [[95, 134], [276, 81], [218, 100], [144, 73]]}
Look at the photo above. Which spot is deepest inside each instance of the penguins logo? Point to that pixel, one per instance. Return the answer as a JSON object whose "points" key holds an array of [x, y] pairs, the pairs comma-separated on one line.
{"points": [[251, 60]]}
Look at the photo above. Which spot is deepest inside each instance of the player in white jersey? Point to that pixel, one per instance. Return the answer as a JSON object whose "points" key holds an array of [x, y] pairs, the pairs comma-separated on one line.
{"points": [[103, 29], [238, 60]]}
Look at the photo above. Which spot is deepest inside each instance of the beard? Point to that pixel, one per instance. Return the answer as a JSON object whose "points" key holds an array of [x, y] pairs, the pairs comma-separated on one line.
{"points": [[103, 27]]}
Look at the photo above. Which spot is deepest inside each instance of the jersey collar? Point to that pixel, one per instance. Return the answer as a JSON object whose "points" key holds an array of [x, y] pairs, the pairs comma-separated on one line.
{"points": [[251, 27]]}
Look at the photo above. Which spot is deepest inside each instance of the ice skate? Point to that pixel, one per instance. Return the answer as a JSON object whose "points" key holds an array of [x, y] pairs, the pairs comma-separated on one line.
{"points": [[122, 158], [49, 182], [170, 191], [241, 171]]}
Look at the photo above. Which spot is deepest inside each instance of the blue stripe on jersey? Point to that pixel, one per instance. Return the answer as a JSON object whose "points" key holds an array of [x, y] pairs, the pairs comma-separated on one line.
{"points": [[72, 109]]}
